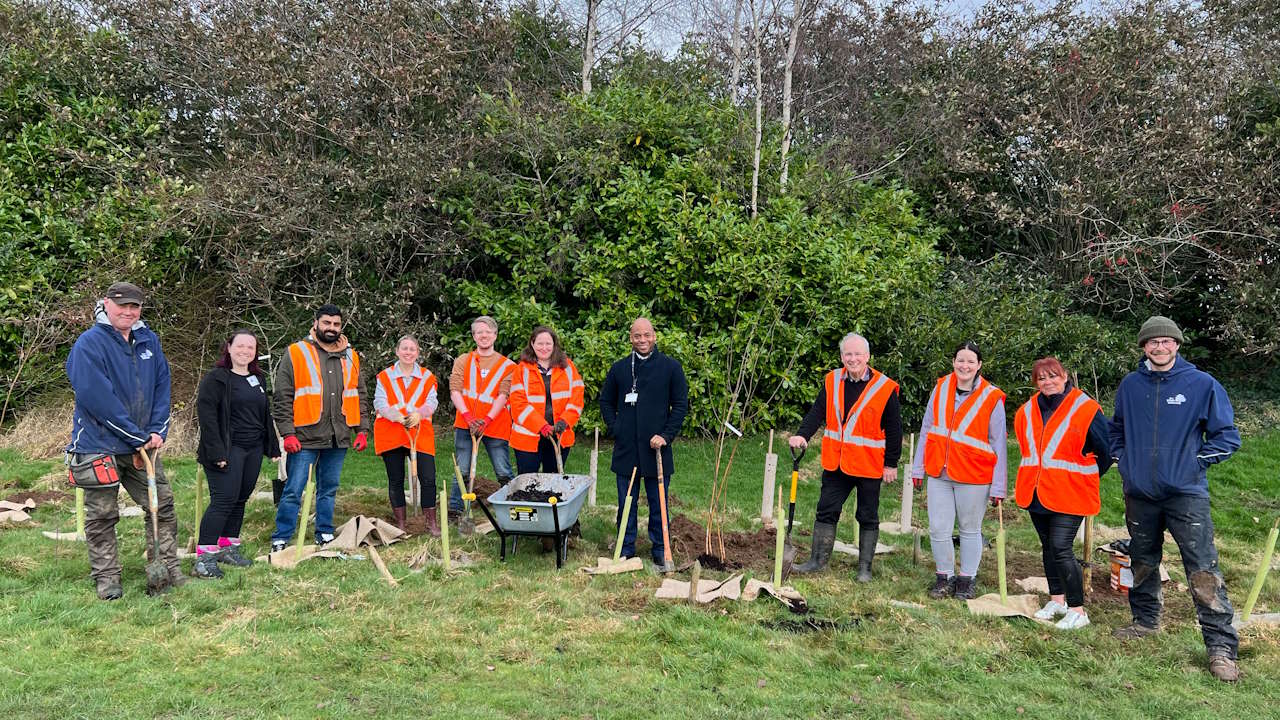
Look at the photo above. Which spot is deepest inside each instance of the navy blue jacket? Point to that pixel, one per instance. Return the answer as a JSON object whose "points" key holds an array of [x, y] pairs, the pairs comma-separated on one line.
{"points": [[661, 408], [121, 387], [1168, 428]]}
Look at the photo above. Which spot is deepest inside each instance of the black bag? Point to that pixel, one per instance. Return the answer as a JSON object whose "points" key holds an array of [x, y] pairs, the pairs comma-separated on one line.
{"points": [[92, 470]]}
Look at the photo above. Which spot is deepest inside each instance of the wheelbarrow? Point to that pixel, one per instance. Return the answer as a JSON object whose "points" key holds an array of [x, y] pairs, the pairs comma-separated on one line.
{"points": [[523, 518]]}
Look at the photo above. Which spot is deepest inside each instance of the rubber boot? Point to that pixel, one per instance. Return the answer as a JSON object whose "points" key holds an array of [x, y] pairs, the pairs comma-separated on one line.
{"points": [[399, 513], [433, 521], [109, 587], [824, 538], [867, 540]]}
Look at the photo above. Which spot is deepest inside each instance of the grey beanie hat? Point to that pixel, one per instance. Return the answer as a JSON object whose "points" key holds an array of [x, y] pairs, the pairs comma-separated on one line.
{"points": [[1159, 326]]}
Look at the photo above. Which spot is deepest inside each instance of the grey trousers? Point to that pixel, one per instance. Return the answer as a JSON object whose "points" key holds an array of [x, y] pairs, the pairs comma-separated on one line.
{"points": [[102, 512], [952, 503]]}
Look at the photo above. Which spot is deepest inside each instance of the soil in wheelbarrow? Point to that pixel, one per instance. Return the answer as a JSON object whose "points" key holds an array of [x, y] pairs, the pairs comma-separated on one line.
{"points": [[753, 550], [534, 493]]}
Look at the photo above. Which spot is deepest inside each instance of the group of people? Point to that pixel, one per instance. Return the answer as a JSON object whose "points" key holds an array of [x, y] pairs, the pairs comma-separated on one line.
{"points": [[1171, 422]]}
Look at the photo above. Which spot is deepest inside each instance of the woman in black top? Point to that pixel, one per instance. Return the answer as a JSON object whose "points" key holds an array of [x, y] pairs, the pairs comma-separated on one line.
{"points": [[235, 432]]}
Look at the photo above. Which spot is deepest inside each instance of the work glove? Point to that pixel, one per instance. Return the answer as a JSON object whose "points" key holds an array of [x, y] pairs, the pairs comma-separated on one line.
{"points": [[395, 416], [546, 430], [560, 427], [478, 426], [995, 501], [918, 482], [412, 420], [362, 442], [291, 444]]}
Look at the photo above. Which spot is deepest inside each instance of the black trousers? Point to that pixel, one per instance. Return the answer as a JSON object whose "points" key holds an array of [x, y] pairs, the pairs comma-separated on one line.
{"points": [[229, 489], [1057, 539], [836, 488], [395, 461], [541, 460]]}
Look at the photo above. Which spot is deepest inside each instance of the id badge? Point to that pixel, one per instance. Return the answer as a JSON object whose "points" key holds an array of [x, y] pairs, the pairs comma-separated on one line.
{"points": [[631, 398], [253, 380]]}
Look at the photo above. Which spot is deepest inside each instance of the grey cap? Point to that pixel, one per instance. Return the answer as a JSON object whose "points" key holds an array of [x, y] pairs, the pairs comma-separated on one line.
{"points": [[123, 293], [1158, 326]]}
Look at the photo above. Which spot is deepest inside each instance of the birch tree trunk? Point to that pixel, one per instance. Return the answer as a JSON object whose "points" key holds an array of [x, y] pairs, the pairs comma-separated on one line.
{"points": [[757, 10], [801, 11], [735, 39], [589, 46]]}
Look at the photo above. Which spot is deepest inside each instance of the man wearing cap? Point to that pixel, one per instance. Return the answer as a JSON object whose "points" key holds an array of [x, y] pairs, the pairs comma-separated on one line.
{"points": [[1172, 421], [319, 403], [121, 382]]}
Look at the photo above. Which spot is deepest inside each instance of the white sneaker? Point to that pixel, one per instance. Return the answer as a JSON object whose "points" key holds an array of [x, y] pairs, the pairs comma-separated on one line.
{"points": [[1051, 610], [1072, 621]]}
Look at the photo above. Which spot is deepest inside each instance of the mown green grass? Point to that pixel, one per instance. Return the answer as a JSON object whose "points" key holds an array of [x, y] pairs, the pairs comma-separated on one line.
{"points": [[520, 640]]}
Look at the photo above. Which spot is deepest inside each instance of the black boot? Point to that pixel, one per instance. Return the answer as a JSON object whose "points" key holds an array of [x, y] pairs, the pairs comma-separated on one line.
{"points": [[867, 540], [824, 537], [966, 588], [943, 586]]}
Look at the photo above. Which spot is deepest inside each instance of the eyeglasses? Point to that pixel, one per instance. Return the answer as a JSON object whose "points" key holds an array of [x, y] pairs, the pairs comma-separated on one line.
{"points": [[1157, 342]]}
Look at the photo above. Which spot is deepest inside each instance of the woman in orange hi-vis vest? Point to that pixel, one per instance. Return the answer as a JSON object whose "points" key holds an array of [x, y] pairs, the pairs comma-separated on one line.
{"points": [[404, 400], [546, 400], [1065, 450], [861, 446], [963, 444]]}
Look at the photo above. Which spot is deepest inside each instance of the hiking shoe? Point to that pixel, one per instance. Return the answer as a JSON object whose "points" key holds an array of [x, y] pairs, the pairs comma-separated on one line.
{"points": [[1072, 620], [1051, 610], [207, 566], [323, 539], [278, 545], [176, 578], [944, 586], [230, 555], [109, 588], [1224, 668], [1133, 631], [966, 588]]}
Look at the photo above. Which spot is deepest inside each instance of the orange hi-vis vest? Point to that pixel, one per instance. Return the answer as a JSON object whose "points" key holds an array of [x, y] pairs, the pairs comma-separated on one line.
{"points": [[854, 445], [404, 394], [1054, 467], [479, 400], [529, 403], [959, 438], [308, 385]]}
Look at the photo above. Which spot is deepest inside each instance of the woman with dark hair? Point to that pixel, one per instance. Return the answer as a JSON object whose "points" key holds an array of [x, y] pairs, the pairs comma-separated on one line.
{"points": [[963, 453], [405, 400], [1063, 435], [546, 400], [234, 412]]}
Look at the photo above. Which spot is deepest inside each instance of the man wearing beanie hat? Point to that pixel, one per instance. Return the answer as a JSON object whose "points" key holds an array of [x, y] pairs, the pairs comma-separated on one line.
{"points": [[121, 382], [1172, 421]]}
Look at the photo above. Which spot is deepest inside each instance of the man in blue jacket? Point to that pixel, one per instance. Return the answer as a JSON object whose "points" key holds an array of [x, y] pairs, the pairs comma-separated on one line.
{"points": [[1172, 421], [643, 403], [121, 383]]}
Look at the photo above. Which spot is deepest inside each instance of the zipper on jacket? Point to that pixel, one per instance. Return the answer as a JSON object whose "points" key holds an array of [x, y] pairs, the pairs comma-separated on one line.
{"points": [[1155, 438]]}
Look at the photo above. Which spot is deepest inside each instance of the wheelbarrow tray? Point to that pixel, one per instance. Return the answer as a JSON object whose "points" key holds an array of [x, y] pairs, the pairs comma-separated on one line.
{"points": [[535, 518]]}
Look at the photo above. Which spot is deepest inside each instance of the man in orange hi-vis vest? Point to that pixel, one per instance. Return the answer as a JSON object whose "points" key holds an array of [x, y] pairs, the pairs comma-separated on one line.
{"points": [[319, 402], [861, 446], [479, 387]]}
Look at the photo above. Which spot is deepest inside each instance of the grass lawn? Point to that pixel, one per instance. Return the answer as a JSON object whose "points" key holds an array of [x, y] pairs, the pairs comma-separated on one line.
{"points": [[520, 640]]}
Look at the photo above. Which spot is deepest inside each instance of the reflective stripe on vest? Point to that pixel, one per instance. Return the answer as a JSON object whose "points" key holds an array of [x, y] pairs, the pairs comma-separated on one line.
{"points": [[308, 392], [417, 384], [844, 429], [487, 396]]}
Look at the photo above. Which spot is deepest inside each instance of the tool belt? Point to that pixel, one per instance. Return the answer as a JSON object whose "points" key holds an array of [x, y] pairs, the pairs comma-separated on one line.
{"points": [[92, 470]]}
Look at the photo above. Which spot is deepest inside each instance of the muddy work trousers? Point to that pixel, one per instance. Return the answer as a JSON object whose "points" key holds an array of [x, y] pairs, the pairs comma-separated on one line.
{"points": [[1187, 520], [102, 512]]}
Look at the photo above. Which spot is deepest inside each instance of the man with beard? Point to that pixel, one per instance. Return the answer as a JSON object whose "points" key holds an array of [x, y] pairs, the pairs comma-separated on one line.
{"points": [[643, 403], [1172, 422], [320, 401]]}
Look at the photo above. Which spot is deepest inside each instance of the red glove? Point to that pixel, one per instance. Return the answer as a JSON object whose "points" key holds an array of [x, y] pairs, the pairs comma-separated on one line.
{"points": [[291, 444], [478, 426], [546, 431], [995, 501], [918, 482], [362, 442], [468, 418]]}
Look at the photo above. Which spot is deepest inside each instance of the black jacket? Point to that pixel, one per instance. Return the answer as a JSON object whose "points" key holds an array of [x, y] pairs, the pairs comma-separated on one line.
{"points": [[213, 410], [661, 408]]}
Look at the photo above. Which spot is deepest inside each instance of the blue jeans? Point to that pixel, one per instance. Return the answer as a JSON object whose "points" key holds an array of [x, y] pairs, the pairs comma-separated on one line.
{"points": [[499, 456], [541, 460], [655, 516], [328, 464], [1187, 519]]}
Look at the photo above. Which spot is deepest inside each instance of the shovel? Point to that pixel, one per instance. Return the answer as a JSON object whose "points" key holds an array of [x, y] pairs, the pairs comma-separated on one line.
{"points": [[1004, 587], [466, 524], [414, 503], [789, 550], [157, 572], [668, 565], [626, 515]]}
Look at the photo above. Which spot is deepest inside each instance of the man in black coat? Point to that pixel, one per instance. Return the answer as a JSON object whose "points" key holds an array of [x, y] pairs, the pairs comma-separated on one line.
{"points": [[643, 403]]}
